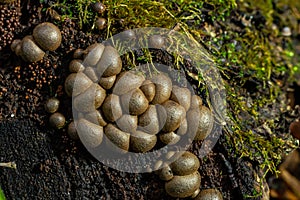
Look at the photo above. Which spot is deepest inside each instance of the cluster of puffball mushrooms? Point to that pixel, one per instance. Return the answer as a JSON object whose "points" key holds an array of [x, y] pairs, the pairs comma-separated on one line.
{"points": [[45, 37], [134, 111]]}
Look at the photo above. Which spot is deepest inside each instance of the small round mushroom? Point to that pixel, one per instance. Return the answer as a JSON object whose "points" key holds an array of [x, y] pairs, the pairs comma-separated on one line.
{"points": [[77, 83], [14, 44], [91, 99], [111, 108], [57, 120], [175, 113], [208, 194], [127, 35], [52, 105], [127, 123], [134, 102], [186, 164], [163, 88], [142, 142], [90, 134], [107, 82], [93, 54], [183, 186], [200, 122], [156, 41], [148, 88], [110, 63], [169, 138], [165, 173], [149, 121], [99, 7], [76, 66], [101, 23], [29, 51], [47, 36], [182, 96], [78, 53], [127, 81], [118, 140]]}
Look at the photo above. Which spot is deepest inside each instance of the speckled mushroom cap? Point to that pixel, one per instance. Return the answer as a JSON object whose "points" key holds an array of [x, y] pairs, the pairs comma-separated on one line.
{"points": [[47, 36]]}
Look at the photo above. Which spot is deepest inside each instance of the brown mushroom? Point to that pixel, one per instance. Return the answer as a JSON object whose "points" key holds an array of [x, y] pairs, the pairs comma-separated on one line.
{"points": [[90, 134], [163, 88], [107, 82], [142, 142], [149, 121], [134, 102], [111, 108], [127, 123], [183, 186], [93, 54], [148, 88], [110, 63], [47, 36], [29, 51], [182, 96], [118, 140], [200, 122], [175, 113], [186, 164], [127, 81], [77, 83], [90, 99]]}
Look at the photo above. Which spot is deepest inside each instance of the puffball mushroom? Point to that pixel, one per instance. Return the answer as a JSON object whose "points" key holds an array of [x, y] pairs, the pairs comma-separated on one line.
{"points": [[47, 36]]}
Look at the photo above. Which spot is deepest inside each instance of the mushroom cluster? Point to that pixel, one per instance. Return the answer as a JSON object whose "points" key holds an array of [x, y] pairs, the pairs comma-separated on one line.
{"points": [[46, 37], [133, 111], [56, 120], [182, 176]]}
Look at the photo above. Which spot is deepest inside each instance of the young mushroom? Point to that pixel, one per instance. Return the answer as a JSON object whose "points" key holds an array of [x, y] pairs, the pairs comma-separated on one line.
{"points": [[52, 105], [110, 63], [200, 122], [163, 88], [134, 102], [29, 51], [183, 186], [149, 121], [186, 164], [117, 140], [209, 194], [47, 36], [57, 120], [111, 108], [142, 142], [90, 133], [175, 113]]}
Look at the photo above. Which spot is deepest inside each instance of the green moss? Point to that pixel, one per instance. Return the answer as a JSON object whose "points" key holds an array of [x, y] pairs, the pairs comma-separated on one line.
{"points": [[2, 197]]}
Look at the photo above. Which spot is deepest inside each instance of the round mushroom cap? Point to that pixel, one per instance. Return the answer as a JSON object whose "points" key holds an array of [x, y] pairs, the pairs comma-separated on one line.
{"points": [[29, 51], [47, 36], [209, 194], [183, 186]]}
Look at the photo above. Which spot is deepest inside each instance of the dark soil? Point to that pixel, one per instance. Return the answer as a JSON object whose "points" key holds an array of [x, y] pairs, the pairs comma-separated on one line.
{"points": [[52, 166]]}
